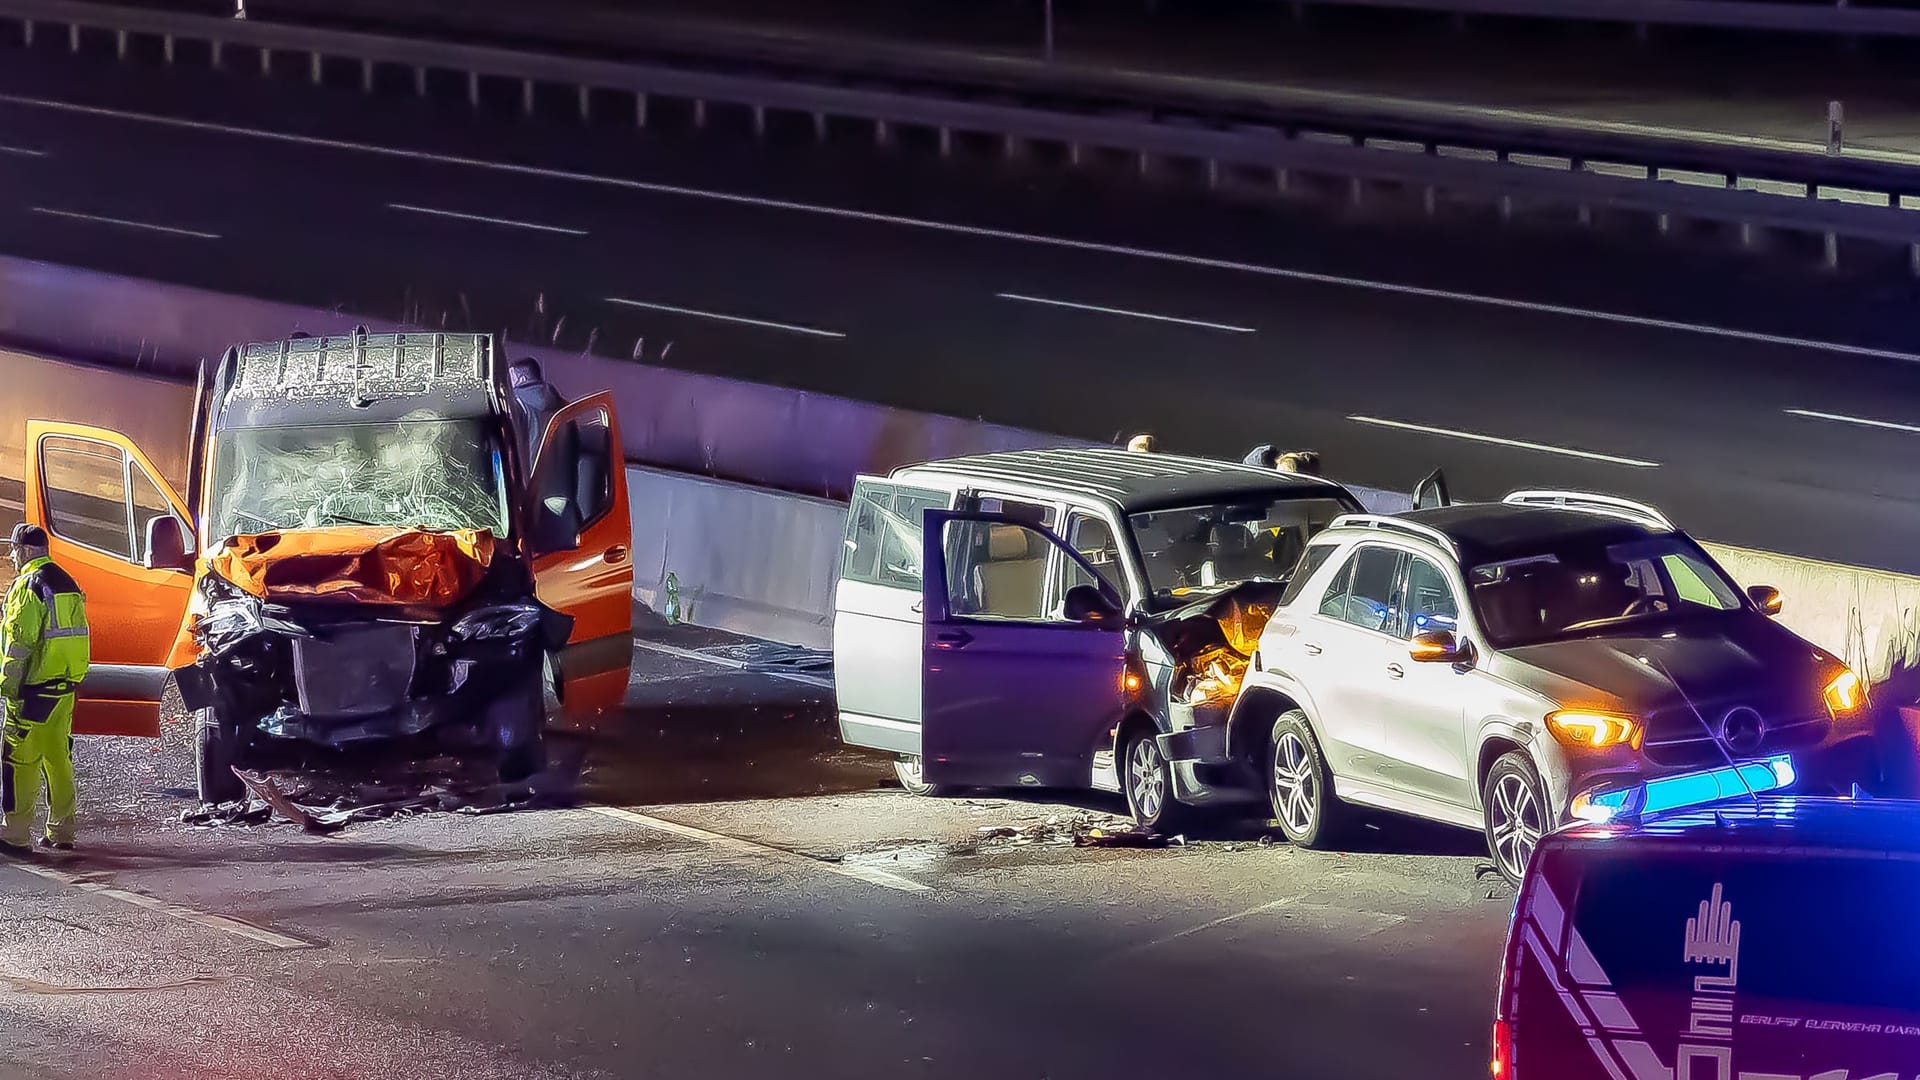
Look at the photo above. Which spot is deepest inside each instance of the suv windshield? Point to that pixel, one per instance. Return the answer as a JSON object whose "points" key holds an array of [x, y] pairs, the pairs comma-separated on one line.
{"points": [[428, 474], [1596, 586], [1210, 547]]}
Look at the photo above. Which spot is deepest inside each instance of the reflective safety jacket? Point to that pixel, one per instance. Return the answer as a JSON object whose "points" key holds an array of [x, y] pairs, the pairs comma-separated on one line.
{"points": [[44, 635]]}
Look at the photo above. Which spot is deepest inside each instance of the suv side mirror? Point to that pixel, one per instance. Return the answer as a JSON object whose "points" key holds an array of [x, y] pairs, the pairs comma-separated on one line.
{"points": [[1766, 598], [1438, 647], [1087, 604], [167, 545]]}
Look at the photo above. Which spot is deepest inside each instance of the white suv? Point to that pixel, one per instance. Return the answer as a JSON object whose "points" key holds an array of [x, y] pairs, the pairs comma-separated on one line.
{"points": [[1513, 666]]}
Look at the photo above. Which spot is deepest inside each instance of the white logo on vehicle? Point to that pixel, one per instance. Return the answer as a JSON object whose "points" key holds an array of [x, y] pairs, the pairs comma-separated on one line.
{"points": [[1706, 1052]]}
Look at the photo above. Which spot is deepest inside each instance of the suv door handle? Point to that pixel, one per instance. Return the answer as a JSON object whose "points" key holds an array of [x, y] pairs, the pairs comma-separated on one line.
{"points": [[616, 554], [952, 639], [1310, 648], [1396, 671]]}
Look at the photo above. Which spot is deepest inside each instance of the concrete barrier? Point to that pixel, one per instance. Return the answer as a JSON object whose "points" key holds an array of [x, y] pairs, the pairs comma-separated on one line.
{"points": [[1868, 618], [748, 556]]}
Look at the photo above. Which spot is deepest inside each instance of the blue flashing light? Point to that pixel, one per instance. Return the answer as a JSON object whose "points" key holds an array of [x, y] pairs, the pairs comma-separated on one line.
{"points": [[1687, 789]]}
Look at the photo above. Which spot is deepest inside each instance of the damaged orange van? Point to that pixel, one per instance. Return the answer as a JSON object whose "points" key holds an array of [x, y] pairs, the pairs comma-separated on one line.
{"points": [[364, 551]]}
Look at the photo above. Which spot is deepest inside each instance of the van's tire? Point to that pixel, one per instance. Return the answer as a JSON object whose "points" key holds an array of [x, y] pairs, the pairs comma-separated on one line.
{"points": [[1146, 778], [1300, 785], [516, 725], [906, 769], [1514, 806], [216, 750]]}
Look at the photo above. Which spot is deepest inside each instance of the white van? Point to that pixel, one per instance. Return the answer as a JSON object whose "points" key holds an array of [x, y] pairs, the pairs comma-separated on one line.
{"points": [[1031, 618]]}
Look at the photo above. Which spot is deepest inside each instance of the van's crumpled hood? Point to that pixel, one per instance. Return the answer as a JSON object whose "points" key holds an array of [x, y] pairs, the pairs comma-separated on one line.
{"points": [[356, 564], [1702, 658]]}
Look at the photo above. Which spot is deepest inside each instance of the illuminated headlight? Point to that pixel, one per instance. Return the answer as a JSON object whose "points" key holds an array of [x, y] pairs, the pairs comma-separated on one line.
{"points": [[1845, 693], [492, 623], [1578, 727]]}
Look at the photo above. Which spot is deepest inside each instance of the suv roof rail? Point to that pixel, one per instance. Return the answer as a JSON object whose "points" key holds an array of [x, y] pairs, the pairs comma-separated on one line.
{"points": [[1586, 502], [1386, 523]]}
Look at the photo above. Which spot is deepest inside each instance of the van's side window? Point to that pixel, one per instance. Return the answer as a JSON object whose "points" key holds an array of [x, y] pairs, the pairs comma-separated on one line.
{"points": [[85, 484], [1092, 537], [884, 528]]}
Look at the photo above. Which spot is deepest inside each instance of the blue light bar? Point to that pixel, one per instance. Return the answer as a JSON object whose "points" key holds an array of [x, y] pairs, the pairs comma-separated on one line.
{"points": [[1686, 789]]}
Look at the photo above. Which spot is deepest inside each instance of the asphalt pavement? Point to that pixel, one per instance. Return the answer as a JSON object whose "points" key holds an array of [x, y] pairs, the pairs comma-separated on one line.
{"points": [[1761, 406], [825, 926]]}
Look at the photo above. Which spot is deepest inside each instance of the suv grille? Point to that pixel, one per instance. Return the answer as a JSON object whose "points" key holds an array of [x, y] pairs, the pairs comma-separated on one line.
{"points": [[1751, 727], [357, 672]]}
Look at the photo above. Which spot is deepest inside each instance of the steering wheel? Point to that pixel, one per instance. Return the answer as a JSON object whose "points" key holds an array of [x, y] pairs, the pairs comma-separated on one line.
{"points": [[1646, 605]]}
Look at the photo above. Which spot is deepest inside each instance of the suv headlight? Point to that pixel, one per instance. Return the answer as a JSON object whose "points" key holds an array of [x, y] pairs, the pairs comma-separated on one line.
{"points": [[492, 623], [1580, 727], [1845, 693]]}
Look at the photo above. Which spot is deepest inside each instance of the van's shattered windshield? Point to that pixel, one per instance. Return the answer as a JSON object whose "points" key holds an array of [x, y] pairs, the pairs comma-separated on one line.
{"points": [[413, 473], [1206, 547]]}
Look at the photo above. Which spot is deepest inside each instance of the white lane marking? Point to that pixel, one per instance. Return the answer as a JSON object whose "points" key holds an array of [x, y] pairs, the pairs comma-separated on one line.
{"points": [[509, 222], [1841, 418], [748, 847], [1123, 311], [23, 151], [225, 924], [721, 661], [125, 223], [764, 324], [1498, 441], [1205, 926], [964, 230]]}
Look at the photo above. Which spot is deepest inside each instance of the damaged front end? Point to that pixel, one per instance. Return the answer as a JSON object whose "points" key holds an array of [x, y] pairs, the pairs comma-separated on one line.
{"points": [[340, 636], [1212, 642]]}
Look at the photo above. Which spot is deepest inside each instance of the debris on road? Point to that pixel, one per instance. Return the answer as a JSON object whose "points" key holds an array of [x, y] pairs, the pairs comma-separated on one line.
{"points": [[1125, 838], [322, 802]]}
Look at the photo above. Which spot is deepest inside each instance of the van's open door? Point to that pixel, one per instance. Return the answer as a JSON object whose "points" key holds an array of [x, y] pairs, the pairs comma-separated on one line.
{"points": [[876, 615], [1014, 693], [583, 538], [95, 493]]}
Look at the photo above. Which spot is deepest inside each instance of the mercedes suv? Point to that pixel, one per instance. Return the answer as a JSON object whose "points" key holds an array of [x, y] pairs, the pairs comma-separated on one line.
{"points": [[1514, 666]]}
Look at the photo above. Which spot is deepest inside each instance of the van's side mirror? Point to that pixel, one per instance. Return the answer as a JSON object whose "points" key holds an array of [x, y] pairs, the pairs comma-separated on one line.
{"points": [[1087, 604], [1766, 598], [167, 545], [1438, 647], [556, 525], [1432, 492]]}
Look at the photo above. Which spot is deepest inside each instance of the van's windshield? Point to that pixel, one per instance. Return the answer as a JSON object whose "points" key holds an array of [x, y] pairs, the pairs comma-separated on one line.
{"points": [[413, 473], [1204, 548]]}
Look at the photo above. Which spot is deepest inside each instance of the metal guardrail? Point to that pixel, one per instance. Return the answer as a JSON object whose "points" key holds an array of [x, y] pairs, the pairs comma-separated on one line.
{"points": [[1736, 182]]}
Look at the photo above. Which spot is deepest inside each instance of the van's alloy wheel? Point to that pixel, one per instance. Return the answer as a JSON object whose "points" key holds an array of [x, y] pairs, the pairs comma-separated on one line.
{"points": [[1147, 779]]}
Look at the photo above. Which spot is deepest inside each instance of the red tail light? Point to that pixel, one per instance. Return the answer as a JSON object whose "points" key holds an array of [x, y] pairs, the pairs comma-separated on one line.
{"points": [[1502, 1064]]}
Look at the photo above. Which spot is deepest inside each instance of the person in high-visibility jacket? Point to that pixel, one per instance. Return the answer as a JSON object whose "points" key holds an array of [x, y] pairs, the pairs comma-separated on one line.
{"points": [[43, 633]]}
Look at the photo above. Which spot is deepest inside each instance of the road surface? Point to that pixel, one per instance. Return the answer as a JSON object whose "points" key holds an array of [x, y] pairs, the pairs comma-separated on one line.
{"points": [[1768, 409], [824, 927]]}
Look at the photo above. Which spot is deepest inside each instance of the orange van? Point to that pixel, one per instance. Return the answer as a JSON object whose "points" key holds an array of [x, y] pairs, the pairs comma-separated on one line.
{"points": [[364, 551]]}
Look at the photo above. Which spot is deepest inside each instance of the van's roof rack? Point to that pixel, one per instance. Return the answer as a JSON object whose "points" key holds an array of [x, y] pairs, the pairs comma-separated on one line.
{"points": [[1586, 502], [1387, 523]]}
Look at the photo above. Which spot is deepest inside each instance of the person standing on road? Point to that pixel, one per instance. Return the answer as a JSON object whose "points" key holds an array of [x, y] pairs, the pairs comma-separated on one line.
{"points": [[43, 632]]}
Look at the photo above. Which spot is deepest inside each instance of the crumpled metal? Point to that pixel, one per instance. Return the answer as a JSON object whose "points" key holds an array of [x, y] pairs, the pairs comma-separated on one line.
{"points": [[357, 565]]}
